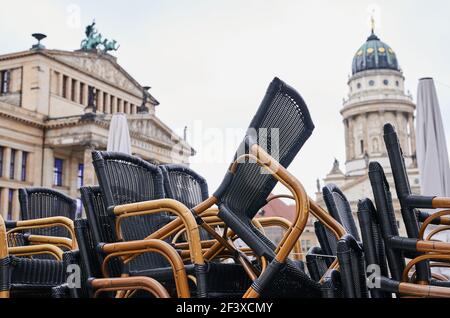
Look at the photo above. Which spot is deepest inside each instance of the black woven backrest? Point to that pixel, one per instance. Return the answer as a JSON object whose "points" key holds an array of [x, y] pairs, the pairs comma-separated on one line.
{"points": [[128, 179], [326, 239], [352, 267], [183, 184], [186, 186], [386, 217], [373, 243], [99, 229], [401, 180], [317, 262], [281, 126], [339, 208], [37, 203]]}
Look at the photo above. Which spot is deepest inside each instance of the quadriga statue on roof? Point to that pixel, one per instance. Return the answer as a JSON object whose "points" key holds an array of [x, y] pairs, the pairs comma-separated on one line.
{"points": [[95, 41]]}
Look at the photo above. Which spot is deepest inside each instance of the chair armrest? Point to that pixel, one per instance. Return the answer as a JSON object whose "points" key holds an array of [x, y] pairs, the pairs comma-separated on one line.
{"points": [[37, 250], [58, 221], [145, 246], [427, 202], [164, 205], [408, 289], [129, 283], [54, 240]]}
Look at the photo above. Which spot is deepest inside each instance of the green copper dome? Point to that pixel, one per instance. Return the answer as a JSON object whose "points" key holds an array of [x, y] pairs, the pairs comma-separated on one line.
{"points": [[374, 55]]}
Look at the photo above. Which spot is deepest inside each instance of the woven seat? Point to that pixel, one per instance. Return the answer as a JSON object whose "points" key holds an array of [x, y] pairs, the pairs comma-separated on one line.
{"points": [[34, 277]]}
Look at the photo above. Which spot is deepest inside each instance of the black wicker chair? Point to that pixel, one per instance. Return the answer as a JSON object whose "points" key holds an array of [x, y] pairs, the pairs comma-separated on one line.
{"points": [[352, 267], [373, 245], [126, 179], [410, 203], [339, 208], [374, 250], [22, 276], [282, 123], [38, 203], [186, 186]]}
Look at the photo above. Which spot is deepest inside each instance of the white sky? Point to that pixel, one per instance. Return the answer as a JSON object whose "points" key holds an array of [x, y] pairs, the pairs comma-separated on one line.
{"points": [[209, 62]]}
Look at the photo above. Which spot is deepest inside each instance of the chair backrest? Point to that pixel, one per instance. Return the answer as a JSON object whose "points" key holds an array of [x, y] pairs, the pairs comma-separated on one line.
{"points": [[373, 244], [86, 257], [386, 217], [352, 267], [100, 228], [339, 208], [183, 184], [37, 203], [281, 126], [326, 239], [186, 186], [317, 263], [401, 180], [128, 179], [403, 189]]}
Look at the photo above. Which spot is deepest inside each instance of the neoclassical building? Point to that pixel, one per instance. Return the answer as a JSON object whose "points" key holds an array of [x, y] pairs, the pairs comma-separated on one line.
{"points": [[55, 108], [376, 96]]}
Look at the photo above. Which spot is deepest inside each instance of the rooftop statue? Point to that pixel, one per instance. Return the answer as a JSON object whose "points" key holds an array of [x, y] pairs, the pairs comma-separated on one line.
{"points": [[95, 41]]}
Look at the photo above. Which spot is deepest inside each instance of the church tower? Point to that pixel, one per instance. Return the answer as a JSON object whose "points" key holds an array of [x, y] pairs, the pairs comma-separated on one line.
{"points": [[376, 96]]}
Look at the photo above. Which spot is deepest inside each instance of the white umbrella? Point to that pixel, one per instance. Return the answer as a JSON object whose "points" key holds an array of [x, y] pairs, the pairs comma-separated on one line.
{"points": [[119, 134], [432, 155]]}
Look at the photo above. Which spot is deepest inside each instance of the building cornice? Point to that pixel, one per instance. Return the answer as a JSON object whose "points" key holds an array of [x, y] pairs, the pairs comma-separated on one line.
{"points": [[22, 115]]}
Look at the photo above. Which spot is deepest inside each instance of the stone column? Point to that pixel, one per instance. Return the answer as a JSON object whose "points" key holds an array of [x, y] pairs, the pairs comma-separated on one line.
{"points": [[60, 84], [85, 94], [99, 101], [69, 88], [113, 104], [89, 172], [6, 162], [47, 168], [15, 205], [346, 136], [73, 176], [18, 165], [77, 92], [107, 108], [412, 131], [126, 107], [120, 105], [365, 134], [4, 202], [351, 139]]}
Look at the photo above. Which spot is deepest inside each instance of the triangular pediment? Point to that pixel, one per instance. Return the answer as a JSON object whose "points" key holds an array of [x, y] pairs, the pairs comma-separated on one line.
{"points": [[101, 66]]}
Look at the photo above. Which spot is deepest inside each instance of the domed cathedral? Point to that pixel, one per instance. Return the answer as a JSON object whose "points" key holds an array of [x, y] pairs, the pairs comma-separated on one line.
{"points": [[376, 96]]}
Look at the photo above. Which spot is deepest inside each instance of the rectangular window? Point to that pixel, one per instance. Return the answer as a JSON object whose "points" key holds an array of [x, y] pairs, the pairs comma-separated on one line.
{"points": [[12, 165], [1, 161], [10, 203], [58, 172], [4, 82], [23, 172], [64, 86], [80, 174]]}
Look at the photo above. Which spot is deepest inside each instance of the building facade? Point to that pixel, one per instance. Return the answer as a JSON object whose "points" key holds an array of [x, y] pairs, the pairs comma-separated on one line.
{"points": [[56, 107], [376, 96]]}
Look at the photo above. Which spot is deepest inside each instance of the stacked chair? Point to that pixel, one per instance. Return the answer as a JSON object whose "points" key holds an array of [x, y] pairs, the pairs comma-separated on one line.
{"points": [[156, 232]]}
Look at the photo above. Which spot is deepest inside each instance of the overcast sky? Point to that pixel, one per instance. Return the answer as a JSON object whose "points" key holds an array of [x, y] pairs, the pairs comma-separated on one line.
{"points": [[209, 62]]}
